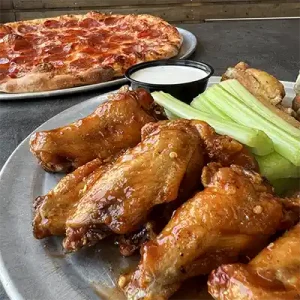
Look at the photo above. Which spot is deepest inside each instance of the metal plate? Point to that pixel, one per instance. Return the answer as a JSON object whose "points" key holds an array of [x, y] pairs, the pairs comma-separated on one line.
{"points": [[188, 46], [33, 270]]}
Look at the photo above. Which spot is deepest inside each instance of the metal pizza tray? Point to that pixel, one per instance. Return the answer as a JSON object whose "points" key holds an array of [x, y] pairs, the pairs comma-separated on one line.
{"points": [[188, 47], [33, 269]]}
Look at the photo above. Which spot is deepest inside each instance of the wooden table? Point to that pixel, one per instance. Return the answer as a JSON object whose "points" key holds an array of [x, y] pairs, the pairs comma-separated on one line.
{"points": [[272, 45]]}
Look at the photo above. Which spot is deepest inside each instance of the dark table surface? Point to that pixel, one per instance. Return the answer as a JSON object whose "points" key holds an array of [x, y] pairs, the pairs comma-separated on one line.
{"points": [[271, 45]]}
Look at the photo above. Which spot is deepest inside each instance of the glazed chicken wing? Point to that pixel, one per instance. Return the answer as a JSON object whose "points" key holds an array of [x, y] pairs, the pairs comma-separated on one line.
{"points": [[52, 210], [234, 216], [113, 126], [265, 88], [168, 160], [274, 274], [257, 82], [145, 176]]}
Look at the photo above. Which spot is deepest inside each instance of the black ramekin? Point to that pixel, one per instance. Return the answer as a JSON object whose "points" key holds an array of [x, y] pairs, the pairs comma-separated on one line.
{"points": [[185, 92]]}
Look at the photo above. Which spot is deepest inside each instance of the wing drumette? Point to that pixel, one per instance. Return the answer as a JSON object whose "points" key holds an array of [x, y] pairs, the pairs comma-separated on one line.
{"points": [[234, 216], [113, 126], [274, 274]]}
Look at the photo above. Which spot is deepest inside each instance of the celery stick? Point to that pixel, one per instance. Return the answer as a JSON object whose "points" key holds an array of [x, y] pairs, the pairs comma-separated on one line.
{"points": [[202, 103], [202, 106], [274, 166], [253, 138], [285, 144], [170, 115], [239, 91], [284, 186]]}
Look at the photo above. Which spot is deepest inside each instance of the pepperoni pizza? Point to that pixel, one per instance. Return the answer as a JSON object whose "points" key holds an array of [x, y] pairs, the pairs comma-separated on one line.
{"points": [[75, 50]]}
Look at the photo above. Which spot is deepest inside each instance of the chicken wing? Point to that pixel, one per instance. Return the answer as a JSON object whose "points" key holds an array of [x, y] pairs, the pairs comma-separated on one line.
{"points": [[234, 216], [145, 176], [53, 209], [274, 274], [257, 82], [265, 88], [168, 160], [113, 126]]}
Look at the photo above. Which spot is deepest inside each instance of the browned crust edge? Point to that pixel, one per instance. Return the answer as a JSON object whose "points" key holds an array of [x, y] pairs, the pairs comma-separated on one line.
{"points": [[48, 81]]}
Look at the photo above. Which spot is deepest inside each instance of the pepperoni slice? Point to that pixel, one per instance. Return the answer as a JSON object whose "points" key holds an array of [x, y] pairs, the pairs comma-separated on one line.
{"points": [[71, 23], [30, 36], [23, 59], [17, 42], [108, 60], [110, 21], [39, 40], [82, 63], [140, 27], [53, 49], [136, 49], [121, 38], [149, 33], [119, 58], [49, 34], [77, 32], [30, 52], [90, 50], [52, 24], [22, 45], [56, 49], [96, 40], [89, 23], [123, 27], [55, 57], [26, 28]]}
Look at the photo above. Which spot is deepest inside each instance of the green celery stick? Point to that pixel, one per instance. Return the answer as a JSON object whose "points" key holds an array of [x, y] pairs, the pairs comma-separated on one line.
{"points": [[283, 186], [265, 110], [253, 138], [274, 166], [202, 103], [170, 115], [285, 144]]}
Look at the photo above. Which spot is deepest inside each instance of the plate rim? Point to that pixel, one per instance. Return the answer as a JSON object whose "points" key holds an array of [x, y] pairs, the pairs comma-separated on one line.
{"points": [[9, 286], [186, 35]]}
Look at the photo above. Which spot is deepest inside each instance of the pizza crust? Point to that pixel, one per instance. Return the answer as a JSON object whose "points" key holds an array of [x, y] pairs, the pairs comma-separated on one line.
{"points": [[38, 80]]}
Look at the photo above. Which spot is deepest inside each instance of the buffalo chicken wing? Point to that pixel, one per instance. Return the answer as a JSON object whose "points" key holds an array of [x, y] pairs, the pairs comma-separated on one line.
{"points": [[234, 216], [145, 176], [265, 88], [113, 126], [274, 274], [52, 210]]}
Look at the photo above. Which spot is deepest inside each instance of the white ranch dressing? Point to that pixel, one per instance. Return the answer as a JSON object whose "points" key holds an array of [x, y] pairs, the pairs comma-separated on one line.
{"points": [[169, 74]]}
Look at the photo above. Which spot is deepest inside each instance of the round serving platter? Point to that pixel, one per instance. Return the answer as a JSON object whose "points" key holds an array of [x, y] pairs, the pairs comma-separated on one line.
{"points": [[189, 43], [33, 269]]}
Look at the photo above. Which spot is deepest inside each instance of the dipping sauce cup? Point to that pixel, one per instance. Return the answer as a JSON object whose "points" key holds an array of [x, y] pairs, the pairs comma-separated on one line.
{"points": [[183, 79]]}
